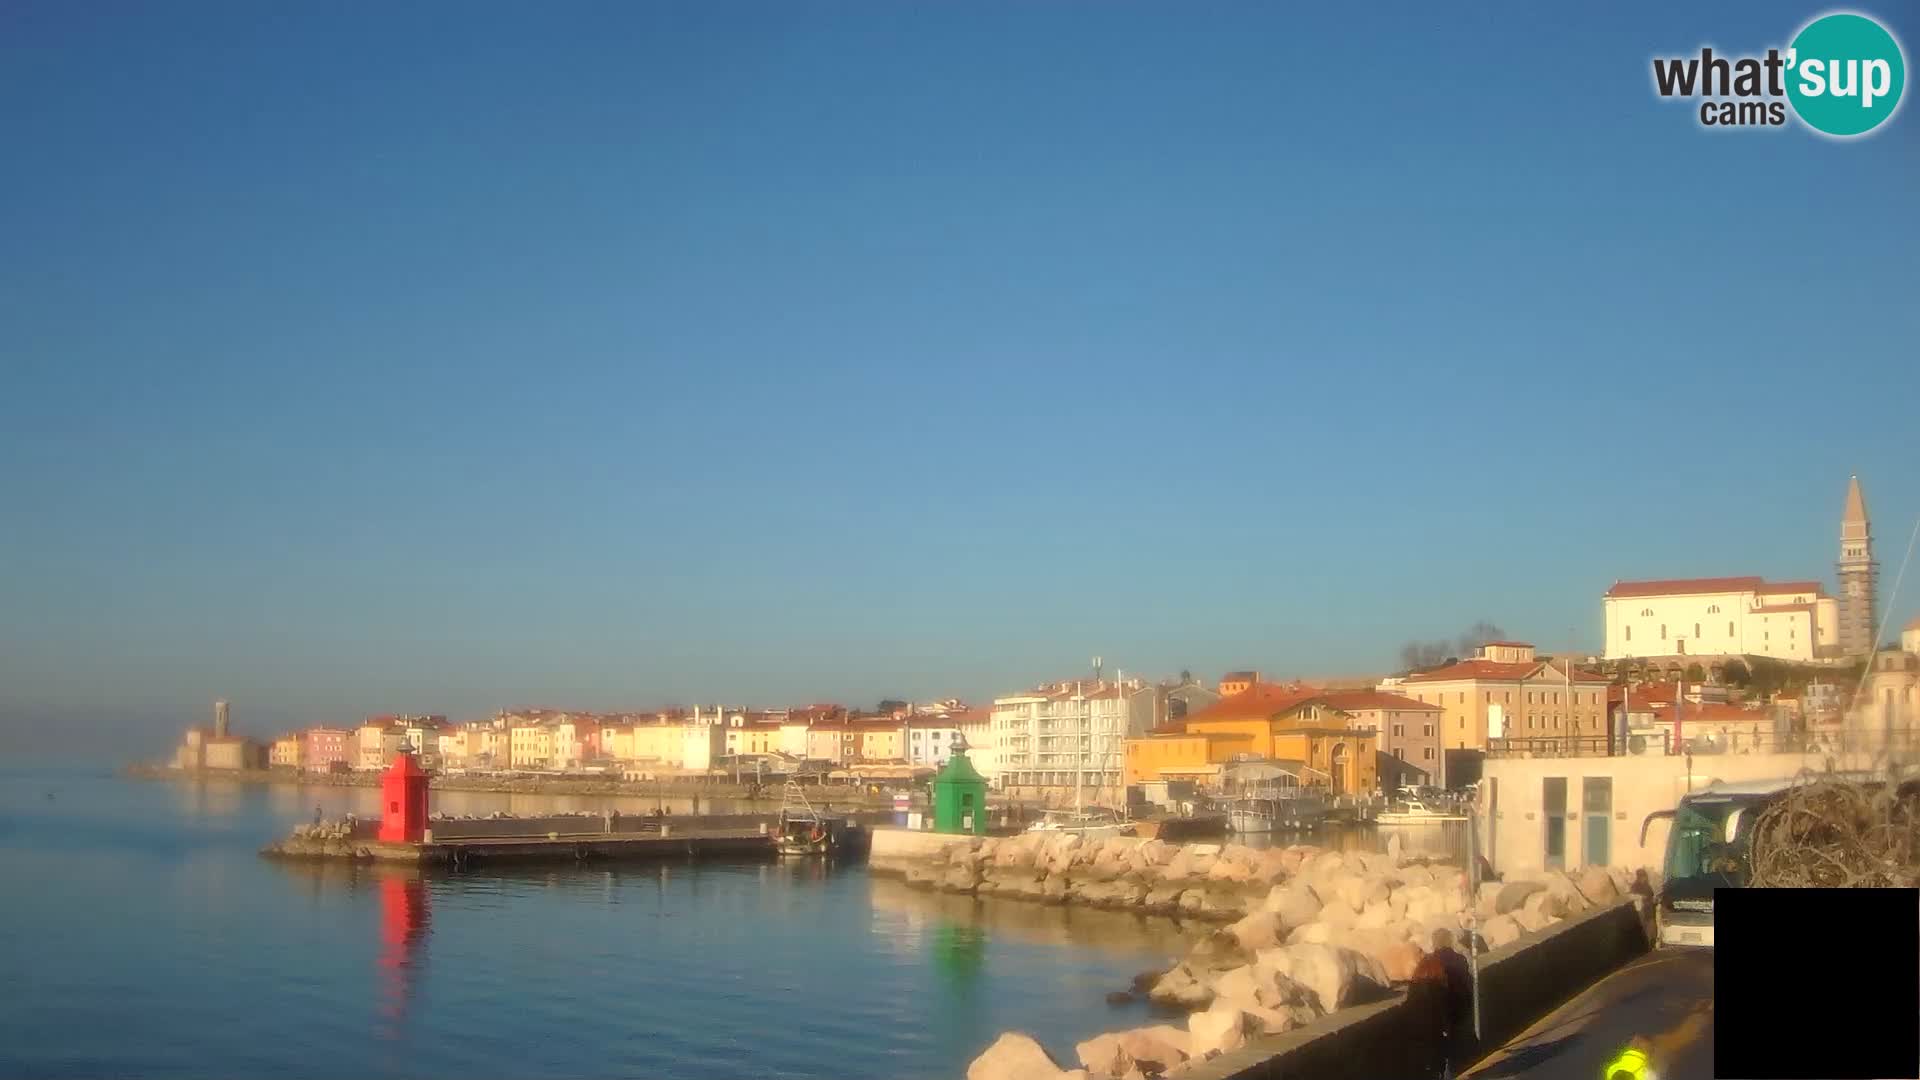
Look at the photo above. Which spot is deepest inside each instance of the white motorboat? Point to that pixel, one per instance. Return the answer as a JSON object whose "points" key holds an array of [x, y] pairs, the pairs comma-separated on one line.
{"points": [[1415, 812]]}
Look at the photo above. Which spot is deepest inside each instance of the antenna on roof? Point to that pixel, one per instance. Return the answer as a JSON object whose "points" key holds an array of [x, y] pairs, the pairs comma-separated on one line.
{"points": [[1096, 668]]}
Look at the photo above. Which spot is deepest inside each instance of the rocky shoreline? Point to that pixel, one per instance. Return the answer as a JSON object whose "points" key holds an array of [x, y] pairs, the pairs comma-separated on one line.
{"points": [[1301, 932]]}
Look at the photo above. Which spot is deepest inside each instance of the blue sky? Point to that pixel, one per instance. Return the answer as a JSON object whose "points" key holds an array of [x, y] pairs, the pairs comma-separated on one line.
{"points": [[442, 356]]}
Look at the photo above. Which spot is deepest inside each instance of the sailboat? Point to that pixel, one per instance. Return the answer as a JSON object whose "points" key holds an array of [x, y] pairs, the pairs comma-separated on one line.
{"points": [[1089, 822]]}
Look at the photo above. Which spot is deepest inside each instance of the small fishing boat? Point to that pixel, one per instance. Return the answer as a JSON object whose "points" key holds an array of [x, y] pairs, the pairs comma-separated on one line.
{"points": [[1415, 812], [802, 831]]}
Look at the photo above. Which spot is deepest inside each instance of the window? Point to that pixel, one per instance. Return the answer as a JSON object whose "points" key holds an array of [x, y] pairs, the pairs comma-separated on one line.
{"points": [[1646, 613], [1429, 731], [1729, 627], [1713, 609], [1663, 631], [1696, 630], [1427, 753], [1396, 730], [1629, 633]]}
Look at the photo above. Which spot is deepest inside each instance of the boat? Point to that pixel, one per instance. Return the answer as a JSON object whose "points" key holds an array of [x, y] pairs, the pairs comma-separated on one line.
{"points": [[802, 830], [1272, 811], [1092, 823], [1415, 812], [1181, 828]]}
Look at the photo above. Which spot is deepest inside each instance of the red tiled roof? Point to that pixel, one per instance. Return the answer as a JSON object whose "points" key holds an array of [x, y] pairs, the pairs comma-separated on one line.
{"points": [[1240, 676], [1508, 645], [1684, 586], [1256, 703], [1789, 586], [1710, 713], [1355, 700], [1766, 609], [1496, 671]]}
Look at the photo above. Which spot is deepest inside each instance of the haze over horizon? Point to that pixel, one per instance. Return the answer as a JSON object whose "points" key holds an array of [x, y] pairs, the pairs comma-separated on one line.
{"points": [[633, 355]]}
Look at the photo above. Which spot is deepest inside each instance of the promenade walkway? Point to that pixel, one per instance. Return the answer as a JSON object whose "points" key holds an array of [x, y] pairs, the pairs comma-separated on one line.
{"points": [[1665, 996]]}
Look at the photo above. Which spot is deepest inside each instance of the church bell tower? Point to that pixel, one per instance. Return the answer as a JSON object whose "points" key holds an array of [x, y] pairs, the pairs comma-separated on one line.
{"points": [[1857, 573]]}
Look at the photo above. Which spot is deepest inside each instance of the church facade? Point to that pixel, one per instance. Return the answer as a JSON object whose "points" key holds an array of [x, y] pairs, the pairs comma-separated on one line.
{"points": [[1749, 616]]}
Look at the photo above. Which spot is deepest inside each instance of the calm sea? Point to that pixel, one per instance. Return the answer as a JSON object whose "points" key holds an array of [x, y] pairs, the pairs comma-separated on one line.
{"points": [[140, 935]]}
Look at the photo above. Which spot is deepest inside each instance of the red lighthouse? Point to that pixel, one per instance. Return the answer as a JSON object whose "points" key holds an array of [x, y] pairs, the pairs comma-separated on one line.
{"points": [[403, 801]]}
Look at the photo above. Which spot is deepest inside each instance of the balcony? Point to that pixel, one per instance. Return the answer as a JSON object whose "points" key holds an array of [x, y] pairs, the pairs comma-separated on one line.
{"points": [[1657, 742]]}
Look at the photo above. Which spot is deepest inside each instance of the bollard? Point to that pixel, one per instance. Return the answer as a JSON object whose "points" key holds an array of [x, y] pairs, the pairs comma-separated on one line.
{"points": [[763, 828], [666, 830]]}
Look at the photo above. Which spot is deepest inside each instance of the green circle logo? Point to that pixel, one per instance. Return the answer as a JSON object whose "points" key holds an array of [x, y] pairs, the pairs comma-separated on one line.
{"points": [[1845, 74]]}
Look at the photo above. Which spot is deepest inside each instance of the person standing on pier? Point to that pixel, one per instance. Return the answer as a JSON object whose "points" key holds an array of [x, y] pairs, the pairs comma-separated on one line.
{"points": [[1442, 995]]}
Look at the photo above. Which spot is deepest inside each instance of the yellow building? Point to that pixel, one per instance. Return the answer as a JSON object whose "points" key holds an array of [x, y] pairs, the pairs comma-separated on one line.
{"points": [[880, 740], [1283, 724], [287, 751], [1180, 756], [529, 746], [1511, 695]]}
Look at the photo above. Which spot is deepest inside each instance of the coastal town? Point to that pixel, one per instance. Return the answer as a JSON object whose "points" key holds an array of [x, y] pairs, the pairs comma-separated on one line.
{"points": [[1723, 665]]}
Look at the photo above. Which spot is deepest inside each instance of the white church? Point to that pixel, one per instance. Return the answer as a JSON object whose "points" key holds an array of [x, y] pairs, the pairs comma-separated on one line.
{"points": [[1749, 616]]}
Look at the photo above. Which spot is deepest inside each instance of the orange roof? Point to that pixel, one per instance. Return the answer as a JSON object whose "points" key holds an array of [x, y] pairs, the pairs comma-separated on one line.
{"points": [[1711, 713], [1508, 645], [1240, 676], [1258, 702], [1496, 671], [1355, 700], [1766, 609], [1789, 586], [1684, 586]]}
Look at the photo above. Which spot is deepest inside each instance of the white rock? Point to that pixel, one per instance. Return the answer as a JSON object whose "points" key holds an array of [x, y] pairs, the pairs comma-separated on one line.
{"points": [[1500, 930], [1162, 1045], [1104, 1056], [1295, 902], [1220, 1028], [1513, 894], [1015, 1056], [1260, 930]]}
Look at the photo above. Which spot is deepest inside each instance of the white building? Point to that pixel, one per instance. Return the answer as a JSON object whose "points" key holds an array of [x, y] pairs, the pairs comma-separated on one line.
{"points": [[1731, 616], [930, 739], [1065, 738]]}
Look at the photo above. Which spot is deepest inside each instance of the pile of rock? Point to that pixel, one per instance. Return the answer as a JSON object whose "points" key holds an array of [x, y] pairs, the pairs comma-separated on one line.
{"points": [[326, 839], [1326, 930], [1208, 881]]}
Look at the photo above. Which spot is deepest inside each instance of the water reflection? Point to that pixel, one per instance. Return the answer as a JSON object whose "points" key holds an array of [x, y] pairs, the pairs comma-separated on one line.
{"points": [[919, 915], [403, 946]]}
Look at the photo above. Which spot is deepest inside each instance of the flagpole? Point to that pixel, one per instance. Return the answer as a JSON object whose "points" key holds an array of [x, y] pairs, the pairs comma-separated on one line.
{"points": [[1473, 897]]}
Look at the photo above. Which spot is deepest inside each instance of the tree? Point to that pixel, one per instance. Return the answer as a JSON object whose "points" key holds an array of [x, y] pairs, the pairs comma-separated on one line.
{"points": [[1696, 673], [889, 705], [1735, 673]]}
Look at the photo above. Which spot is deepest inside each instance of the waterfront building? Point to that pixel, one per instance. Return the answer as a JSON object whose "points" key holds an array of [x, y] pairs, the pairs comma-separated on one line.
{"points": [[234, 753], [1065, 737], [286, 752], [191, 754], [1910, 637], [575, 740], [1152, 707], [1508, 693], [976, 727], [881, 739], [930, 739], [1405, 730], [377, 740], [423, 738], [1311, 738], [329, 749], [530, 745], [220, 720]]}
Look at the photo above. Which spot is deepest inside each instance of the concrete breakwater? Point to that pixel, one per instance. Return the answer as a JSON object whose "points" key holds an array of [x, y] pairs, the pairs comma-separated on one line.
{"points": [[836, 794], [1307, 932]]}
